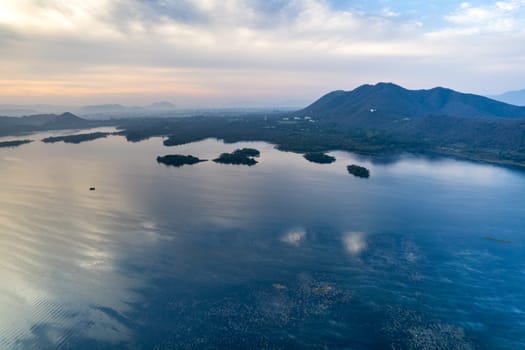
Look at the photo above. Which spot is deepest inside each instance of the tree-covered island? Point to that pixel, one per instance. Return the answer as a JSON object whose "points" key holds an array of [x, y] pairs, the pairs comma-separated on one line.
{"points": [[178, 160], [79, 138], [14, 143], [319, 157], [358, 171], [244, 156]]}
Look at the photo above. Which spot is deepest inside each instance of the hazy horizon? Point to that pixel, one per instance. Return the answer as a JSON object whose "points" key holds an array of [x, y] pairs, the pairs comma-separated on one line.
{"points": [[149, 103], [246, 53]]}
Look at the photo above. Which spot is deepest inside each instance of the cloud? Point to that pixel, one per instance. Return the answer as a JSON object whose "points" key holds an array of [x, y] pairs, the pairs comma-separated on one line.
{"points": [[498, 17], [354, 242], [221, 49], [201, 32]]}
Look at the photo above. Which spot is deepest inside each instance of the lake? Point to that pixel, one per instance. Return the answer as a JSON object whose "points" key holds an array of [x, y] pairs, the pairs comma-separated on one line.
{"points": [[425, 254]]}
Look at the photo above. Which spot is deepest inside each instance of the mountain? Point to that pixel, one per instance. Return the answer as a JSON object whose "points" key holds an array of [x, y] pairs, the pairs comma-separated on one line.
{"points": [[40, 122], [440, 121], [513, 97], [161, 105], [63, 121], [109, 111], [392, 101]]}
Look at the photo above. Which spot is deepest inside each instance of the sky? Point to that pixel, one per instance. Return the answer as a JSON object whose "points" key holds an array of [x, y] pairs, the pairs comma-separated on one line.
{"points": [[252, 53]]}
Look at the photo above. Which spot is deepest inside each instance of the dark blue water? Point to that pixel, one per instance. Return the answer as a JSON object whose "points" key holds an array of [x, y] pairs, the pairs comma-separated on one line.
{"points": [[285, 254]]}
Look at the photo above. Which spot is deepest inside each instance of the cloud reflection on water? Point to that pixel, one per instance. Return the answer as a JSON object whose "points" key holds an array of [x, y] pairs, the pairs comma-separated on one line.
{"points": [[74, 260], [354, 242], [62, 247], [294, 237]]}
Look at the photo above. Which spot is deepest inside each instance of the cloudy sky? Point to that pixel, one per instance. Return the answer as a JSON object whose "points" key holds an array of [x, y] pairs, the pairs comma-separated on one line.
{"points": [[252, 52]]}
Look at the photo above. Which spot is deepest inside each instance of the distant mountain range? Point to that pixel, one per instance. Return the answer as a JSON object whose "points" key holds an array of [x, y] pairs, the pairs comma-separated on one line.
{"points": [[513, 97], [41, 122], [119, 111], [103, 108], [392, 101], [102, 111], [161, 105]]}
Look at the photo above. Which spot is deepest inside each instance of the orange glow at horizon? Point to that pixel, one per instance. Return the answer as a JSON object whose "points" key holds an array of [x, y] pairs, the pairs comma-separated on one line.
{"points": [[69, 88]]}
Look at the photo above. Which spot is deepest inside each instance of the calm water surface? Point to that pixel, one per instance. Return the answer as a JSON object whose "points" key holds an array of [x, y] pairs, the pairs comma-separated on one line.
{"points": [[284, 254]]}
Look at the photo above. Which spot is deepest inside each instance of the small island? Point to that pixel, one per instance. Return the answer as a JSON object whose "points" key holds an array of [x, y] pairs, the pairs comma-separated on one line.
{"points": [[319, 157], [178, 160], [76, 139], [14, 143], [358, 171], [242, 156]]}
